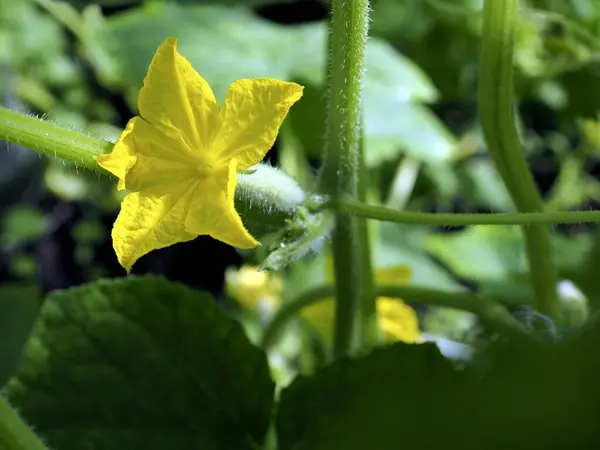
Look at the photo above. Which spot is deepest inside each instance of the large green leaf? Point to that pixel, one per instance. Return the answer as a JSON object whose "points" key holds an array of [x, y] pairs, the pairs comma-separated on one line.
{"points": [[141, 363], [409, 396], [19, 305], [223, 51], [363, 403], [223, 44]]}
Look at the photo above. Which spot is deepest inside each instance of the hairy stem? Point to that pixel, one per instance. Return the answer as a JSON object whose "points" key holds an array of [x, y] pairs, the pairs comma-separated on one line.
{"points": [[51, 139], [496, 110], [383, 214], [14, 433], [342, 167]]}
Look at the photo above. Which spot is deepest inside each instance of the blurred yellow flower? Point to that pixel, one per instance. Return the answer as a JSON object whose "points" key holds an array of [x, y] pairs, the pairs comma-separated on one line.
{"points": [[397, 321], [179, 158], [251, 287]]}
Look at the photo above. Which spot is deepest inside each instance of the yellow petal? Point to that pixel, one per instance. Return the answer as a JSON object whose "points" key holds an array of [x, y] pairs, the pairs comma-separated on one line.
{"points": [[213, 211], [397, 320], [321, 317], [251, 116], [174, 94], [122, 157], [149, 222], [163, 159], [251, 287]]}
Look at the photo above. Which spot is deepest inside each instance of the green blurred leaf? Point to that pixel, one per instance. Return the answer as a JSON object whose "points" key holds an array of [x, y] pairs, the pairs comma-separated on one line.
{"points": [[19, 306], [394, 127], [404, 245], [106, 3], [544, 48], [223, 44], [572, 187], [481, 182], [23, 266], [494, 258], [495, 252], [389, 17], [22, 224], [390, 72], [481, 252], [124, 3], [586, 275], [141, 363]]}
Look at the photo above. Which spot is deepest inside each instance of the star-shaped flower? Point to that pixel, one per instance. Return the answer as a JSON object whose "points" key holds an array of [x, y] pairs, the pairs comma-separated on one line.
{"points": [[178, 160]]}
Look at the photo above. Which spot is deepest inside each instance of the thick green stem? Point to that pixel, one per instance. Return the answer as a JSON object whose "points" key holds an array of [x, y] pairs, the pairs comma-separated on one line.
{"points": [[14, 433], [368, 315], [496, 110], [443, 219], [342, 167], [51, 139], [491, 312]]}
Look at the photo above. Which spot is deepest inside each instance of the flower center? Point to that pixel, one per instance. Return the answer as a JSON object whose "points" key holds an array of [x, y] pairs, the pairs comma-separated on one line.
{"points": [[205, 166]]}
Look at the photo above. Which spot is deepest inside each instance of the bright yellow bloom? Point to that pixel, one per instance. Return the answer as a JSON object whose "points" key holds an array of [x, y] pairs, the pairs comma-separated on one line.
{"points": [[250, 287], [397, 321], [179, 158]]}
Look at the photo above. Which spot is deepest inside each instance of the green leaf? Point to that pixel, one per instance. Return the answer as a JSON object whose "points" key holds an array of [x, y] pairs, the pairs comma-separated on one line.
{"points": [[494, 258], [386, 400], [124, 3], [481, 252], [482, 184], [209, 36], [494, 252], [586, 274], [22, 224], [408, 396], [19, 306], [404, 245], [393, 127], [141, 363]]}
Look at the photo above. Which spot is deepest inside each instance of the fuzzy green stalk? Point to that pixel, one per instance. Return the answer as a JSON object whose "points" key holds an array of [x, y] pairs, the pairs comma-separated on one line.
{"points": [[384, 214], [342, 168], [51, 139], [497, 116], [14, 433]]}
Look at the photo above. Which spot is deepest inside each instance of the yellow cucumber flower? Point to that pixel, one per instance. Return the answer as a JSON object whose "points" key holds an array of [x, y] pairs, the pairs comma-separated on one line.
{"points": [[179, 158], [250, 287]]}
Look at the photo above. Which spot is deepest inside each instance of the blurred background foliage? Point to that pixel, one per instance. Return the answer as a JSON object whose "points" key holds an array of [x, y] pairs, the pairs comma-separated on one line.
{"points": [[81, 64]]}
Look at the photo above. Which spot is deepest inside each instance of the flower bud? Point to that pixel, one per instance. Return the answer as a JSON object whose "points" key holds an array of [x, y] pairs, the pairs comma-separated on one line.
{"points": [[265, 198]]}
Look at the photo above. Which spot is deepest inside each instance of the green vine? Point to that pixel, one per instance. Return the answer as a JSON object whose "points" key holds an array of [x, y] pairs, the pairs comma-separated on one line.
{"points": [[491, 312], [342, 167], [496, 110]]}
